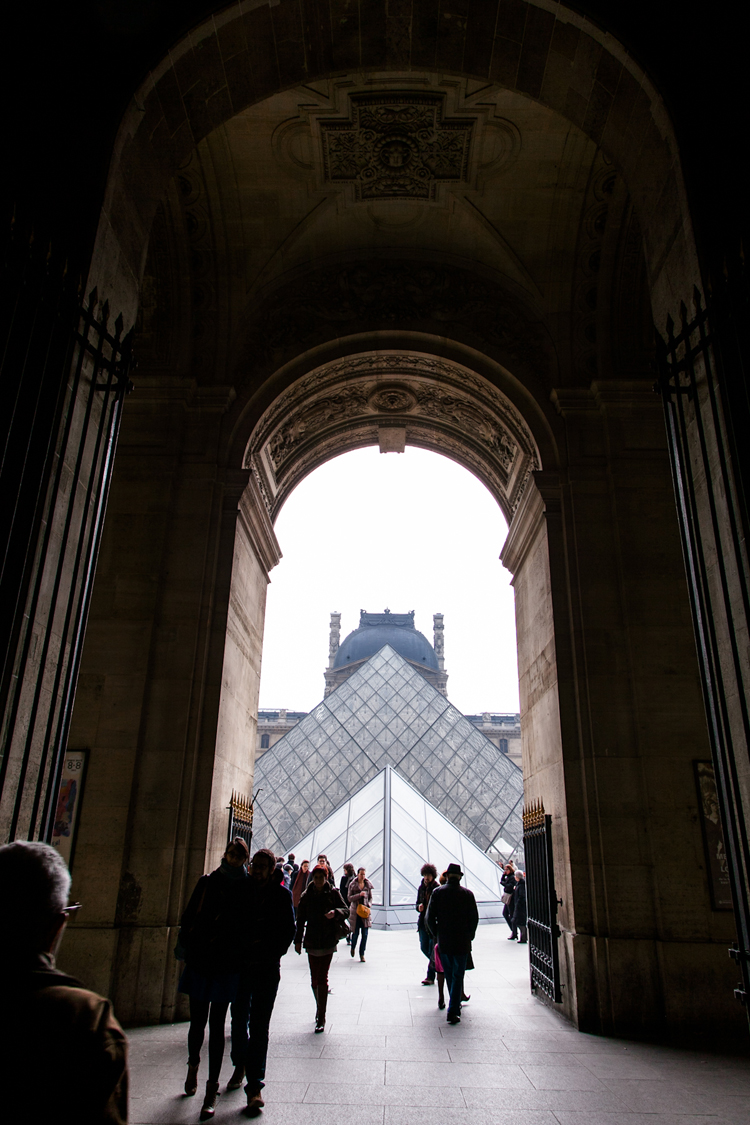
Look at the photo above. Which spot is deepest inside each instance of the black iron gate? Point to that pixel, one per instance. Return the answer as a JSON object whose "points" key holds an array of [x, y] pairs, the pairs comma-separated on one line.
{"points": [[71, 505], [240, 819], [701, 457], [542, 902]]}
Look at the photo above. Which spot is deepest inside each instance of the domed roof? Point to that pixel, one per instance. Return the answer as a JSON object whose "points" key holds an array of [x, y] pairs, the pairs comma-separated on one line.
{"points": [[378, 629]]}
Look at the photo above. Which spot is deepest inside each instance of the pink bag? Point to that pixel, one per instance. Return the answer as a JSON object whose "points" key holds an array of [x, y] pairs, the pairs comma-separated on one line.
{"points": [[438, 962]]}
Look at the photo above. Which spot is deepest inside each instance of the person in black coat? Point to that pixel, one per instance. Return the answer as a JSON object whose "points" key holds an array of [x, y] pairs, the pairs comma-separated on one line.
{"points": [[508, 880], [210, 944], [344, 882], [267, 930], [320, 917], [452, 917], [424, 894], [520, 916]]}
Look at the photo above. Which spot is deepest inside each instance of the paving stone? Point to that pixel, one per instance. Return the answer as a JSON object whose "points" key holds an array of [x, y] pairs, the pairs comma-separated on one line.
{"points": [[487, 1070]]}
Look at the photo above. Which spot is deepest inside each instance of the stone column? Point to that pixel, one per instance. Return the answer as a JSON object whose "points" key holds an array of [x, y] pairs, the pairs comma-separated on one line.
{"points": [[167, 699], [612, 720]]}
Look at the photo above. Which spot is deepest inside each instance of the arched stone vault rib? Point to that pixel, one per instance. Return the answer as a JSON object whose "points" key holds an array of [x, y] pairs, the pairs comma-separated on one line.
{"points": [[393, 399]]}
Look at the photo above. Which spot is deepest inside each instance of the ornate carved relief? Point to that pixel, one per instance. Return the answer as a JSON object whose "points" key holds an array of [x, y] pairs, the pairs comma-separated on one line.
{"points": [[396, 146], [380, 292], [436, 404]]}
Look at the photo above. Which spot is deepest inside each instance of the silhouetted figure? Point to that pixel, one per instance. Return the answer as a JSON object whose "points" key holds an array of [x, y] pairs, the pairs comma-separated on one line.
{"points": [[210, 943], [267, 932], [320, 915], [426, 940], [63, 1055], [452, 917], [520, 915]]}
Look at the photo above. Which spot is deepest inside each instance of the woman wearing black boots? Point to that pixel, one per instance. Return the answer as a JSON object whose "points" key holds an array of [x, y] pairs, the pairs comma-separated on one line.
{"points": [[210, 944], [320, 926]]}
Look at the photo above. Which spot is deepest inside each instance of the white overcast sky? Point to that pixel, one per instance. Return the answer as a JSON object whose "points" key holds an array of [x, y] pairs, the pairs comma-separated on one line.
{"points": [[407, 531]]}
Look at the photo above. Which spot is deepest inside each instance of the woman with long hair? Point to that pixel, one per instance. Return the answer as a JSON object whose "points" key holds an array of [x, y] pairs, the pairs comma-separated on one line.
{"points": [[300, 882], [360, 909], [210, 944], [320, 917]]}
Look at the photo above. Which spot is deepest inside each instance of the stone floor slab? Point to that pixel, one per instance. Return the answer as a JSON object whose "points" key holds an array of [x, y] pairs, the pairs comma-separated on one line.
{"points": [[511, 1059]]}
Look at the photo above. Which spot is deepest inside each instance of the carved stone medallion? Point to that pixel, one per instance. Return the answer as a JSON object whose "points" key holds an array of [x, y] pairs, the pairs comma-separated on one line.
{"points": [[396, 146], [396, 399]]}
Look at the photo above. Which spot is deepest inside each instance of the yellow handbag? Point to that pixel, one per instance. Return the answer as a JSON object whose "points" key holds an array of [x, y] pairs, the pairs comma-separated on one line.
{"points": [[363, 911]]}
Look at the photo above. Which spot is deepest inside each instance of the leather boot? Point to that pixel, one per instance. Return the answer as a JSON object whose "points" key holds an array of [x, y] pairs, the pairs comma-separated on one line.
{"points": [[320, 1015], [191, 1082], [237, 1078], [208, 1109]]}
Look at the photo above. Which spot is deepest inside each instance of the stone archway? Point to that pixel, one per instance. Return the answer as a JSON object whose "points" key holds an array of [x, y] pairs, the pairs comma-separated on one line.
{"points": [[392, 399], [512, 352]]}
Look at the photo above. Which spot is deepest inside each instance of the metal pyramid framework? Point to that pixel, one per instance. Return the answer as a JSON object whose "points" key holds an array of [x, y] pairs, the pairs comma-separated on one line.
{"points": [[388, 828], [387, 714]]}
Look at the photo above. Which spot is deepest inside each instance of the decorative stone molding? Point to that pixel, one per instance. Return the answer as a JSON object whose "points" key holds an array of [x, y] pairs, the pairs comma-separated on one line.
{"points": [[396, 146], [256, 522], [539, 498], [392, 399]]}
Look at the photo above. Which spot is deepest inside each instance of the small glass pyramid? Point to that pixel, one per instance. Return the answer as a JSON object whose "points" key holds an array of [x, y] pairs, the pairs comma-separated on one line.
{"points": [[388, 828], [386, 714]]}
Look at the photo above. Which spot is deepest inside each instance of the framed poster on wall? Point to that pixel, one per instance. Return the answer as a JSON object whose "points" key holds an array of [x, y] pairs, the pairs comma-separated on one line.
{"points": [[69, 803], [713, 837]]}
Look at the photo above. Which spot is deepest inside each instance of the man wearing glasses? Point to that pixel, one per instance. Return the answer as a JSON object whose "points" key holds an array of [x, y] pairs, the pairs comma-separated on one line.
{"points": [[63, 1055]]}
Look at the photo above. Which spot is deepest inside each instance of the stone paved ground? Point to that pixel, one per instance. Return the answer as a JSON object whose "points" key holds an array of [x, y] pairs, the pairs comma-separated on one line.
{"points": [[389, 1058]]}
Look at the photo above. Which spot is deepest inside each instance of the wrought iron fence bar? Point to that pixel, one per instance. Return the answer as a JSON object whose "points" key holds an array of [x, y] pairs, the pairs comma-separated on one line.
{"points": [[49, 507], [712, 678]]}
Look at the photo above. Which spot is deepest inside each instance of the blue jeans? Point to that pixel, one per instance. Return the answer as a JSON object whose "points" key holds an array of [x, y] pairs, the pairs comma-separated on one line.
{"points": [[427, 945], [359, 928], [251, 1016], [454, 966]]}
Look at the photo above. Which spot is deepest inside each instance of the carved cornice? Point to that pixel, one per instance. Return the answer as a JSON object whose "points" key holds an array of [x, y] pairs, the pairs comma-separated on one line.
{"points": [[256, 522], [540, 497], [437, 405]]}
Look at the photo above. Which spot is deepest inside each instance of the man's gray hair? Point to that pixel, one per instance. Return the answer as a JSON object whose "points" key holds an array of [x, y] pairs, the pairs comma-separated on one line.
{"points": [[35, 881]]}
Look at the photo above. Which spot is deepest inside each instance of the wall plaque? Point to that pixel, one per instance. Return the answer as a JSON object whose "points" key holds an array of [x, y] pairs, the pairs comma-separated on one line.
{"points": [[69, 803]]}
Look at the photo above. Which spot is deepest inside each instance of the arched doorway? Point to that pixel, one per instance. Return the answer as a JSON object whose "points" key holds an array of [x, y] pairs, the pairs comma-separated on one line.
{"points": [[515, 273]]}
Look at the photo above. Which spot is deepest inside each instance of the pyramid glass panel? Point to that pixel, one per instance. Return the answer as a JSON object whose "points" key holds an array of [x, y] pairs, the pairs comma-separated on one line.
{"points": [[386, 714], [374, 830]]}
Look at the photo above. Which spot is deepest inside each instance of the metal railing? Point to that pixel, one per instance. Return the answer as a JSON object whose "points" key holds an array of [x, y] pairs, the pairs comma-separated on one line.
{"points": [[240, 819]]}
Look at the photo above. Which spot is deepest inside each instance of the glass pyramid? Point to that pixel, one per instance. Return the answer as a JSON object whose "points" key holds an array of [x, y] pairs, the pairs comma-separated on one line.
{"points": [[388, 828], [386, 714]]}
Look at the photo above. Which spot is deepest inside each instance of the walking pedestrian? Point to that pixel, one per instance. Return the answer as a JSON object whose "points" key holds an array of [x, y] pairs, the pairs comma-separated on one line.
{"points": [[300, 882], [360, 910], [426, 940], [267, 929], [452, 917], [346, 879], [520, 915], [508, 881], [295, 867], [321, 917], [210, 943], [322, 860], [63, 1055], [344, 882]]}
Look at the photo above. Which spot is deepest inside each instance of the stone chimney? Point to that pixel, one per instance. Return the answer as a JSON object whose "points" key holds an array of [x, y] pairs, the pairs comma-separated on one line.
{"points": [[335, 638], [439, 645]]}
